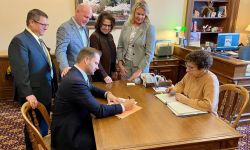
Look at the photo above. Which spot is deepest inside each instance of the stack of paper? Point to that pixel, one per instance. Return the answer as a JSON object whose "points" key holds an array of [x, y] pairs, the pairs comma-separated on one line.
{"points": [[248, 69], [127, 112], [178, 108], [160, 89]]}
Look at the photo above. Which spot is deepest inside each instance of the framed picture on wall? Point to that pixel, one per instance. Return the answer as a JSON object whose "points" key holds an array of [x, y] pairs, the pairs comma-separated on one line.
{"points": [[120, 9]]}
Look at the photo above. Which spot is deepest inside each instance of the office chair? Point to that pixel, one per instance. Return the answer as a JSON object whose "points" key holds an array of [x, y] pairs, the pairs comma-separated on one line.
{"points": [[232, 102], [244, 53], [38, 142]]}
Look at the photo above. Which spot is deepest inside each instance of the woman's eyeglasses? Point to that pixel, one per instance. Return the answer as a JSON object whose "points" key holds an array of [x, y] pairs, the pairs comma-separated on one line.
{"points": [[190, 67], [106, 25]]}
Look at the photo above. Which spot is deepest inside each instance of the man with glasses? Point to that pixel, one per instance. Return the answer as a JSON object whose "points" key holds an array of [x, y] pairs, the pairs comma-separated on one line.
{"points": [[72, 36], [32, 68]]}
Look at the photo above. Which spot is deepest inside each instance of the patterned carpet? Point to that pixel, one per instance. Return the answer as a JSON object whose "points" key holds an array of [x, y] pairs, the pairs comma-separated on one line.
{"points": [[244, 143], [11, 128]]}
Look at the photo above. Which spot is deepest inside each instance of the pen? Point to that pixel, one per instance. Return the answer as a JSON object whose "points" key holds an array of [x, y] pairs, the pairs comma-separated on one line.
{"points": [[172, 92]]}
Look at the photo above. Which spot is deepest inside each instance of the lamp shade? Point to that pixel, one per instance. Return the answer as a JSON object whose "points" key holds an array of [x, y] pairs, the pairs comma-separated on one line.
{"points": [[181, 28], [247, 28]]}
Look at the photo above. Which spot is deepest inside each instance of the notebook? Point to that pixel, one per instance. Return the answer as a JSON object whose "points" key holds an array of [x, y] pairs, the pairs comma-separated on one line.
{"points": [[178, 108]]}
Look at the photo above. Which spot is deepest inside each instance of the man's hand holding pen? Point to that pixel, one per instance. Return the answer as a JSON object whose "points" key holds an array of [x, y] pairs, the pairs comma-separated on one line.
{"points": [[129, 104]]}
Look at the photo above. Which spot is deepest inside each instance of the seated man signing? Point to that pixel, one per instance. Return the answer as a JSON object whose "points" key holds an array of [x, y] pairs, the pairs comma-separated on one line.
{"points": [[71, 122], [199, 88]]}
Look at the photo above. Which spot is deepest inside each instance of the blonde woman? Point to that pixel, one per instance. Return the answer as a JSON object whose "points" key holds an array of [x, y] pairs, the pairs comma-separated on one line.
{"points": [[135, 48]]}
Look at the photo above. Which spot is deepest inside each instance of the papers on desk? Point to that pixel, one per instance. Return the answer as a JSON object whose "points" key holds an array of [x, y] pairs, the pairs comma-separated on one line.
{"points": [[231, 53], [178, 108], [160, 89], [248, 69], [165, 98], [128, 112]]}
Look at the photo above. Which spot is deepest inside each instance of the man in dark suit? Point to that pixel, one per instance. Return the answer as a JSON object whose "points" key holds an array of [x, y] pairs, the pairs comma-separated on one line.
{"points": [[71, 122], [31, 65]]}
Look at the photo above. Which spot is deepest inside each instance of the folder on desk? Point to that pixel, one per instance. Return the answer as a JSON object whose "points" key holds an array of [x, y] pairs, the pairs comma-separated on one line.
{"points": [[178, 108], [127, 112]]}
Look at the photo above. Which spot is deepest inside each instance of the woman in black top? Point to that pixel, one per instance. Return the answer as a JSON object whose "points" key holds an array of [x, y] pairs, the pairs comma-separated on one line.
{"points": [[103, 40]]}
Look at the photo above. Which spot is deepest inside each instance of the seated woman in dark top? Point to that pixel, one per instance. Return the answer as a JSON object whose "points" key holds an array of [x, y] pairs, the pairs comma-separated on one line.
{"points": [[102, 40]]}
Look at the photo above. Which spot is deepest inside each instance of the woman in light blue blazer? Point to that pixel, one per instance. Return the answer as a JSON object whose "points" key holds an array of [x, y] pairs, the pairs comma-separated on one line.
{"points": [[136, 43]]}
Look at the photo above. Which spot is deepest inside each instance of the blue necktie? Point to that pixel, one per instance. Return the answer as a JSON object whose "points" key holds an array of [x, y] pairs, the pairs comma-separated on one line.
{"points": [[83, 36]]}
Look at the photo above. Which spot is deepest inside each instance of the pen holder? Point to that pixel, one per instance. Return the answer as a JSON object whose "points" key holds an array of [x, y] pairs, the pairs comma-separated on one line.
{"points": [[148, 79]]}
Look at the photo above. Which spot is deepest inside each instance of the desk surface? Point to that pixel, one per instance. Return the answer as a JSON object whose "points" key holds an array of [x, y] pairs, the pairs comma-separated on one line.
{"points": [[155, 126]]}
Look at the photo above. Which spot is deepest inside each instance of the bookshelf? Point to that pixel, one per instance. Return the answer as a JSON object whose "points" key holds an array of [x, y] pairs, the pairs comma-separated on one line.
{"points": [[210, 17]]}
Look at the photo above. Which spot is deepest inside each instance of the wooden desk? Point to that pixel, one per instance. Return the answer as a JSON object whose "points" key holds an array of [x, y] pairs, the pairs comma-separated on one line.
{"points": [[156, 127]]}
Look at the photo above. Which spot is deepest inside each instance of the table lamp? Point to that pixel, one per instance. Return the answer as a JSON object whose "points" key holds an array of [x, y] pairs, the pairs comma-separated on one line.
{"points": [[248, 29], [179, 29]]}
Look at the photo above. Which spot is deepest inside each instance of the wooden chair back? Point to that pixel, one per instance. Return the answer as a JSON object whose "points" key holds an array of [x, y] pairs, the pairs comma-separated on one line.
{"points": [[29, 115], [232, 102]]}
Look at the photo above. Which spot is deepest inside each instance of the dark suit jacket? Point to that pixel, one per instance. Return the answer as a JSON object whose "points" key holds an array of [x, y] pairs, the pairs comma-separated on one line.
{"points": [[104, 43], [30, 69], [71, 122]]}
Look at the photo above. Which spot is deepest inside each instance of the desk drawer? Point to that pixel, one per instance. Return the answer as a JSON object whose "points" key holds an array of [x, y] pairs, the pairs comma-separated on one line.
{"points": [[159, 63], [170, 72]]}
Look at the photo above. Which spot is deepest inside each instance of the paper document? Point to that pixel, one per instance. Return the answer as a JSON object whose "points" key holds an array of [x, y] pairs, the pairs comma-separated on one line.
{"points": [[248, 69], [178, 108], [122, 101], [128, 112], [160, 89], [165, 98], [232, 53]]}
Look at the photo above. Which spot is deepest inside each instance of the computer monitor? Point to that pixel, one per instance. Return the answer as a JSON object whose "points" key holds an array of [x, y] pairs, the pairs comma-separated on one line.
{"points": [[244, 53], [228, 41]]}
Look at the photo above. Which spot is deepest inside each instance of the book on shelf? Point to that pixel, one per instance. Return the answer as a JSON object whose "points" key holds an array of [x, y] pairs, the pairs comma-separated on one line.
{"points": [[195, 39], [178, 108], [222, 11]]}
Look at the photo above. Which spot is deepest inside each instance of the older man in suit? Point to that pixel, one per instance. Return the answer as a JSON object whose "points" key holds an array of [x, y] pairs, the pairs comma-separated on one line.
{"points": [[71, 122], [31, 65], [72, 36]]}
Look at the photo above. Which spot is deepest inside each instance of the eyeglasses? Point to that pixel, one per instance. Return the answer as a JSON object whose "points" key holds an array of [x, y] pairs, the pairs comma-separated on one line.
{"points": [[44, 25], [190, 67], [106, 25]]}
